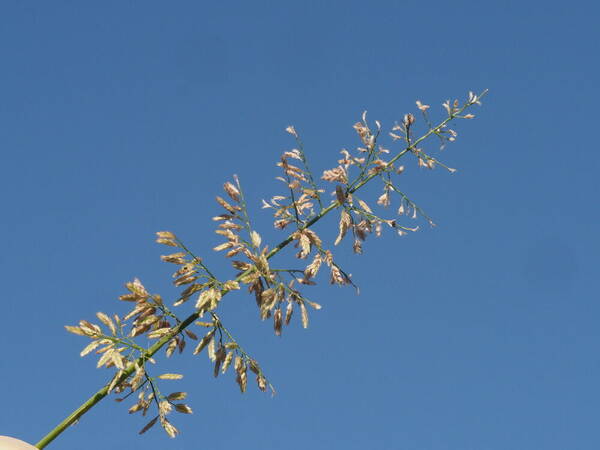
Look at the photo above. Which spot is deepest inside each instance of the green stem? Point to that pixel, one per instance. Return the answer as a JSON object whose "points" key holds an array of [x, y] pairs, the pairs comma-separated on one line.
{"points": [[98, 396]]}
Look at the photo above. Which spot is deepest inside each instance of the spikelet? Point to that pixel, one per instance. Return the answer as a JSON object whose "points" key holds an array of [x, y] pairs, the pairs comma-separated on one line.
{"points": [[210, 350], [304, 315], [170, 376], [344, 224], [256, 240], [336, 174], [304, 243], [220, 356], [175, 258], [314, 238], [290, 129], [107, 321], [336, 276], [168, 427], [90, 347], [176, 396], [166, 238], [232, 191], [261, 381], [289, 310], [148, 425], [183, 408], [242, 376], [277, 321], [384, 199], [204, 342], [227, 361], [75, 330], [171, 346], [313, 268], [340, 194]]}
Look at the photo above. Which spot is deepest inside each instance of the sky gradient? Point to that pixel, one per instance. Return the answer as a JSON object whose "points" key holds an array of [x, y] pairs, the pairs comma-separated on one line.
{"points": [[120, 119]]}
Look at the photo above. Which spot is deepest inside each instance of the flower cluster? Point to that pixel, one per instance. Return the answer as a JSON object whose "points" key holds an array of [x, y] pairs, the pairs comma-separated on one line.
{"points": [[276, 290]]}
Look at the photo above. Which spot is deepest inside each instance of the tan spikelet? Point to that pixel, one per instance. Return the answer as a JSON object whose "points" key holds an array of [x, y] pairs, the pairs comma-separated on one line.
{"points": [[313, 305], [223, 246], [176, 396], [170, 376], [227, 206], [165, 235], [277, 321], [384, 199], [105, 358], [289, 310], [191, 335], [219, 358], [364, 206], [232, 191], [169, 428], [242, 377], [336, 276], [148, 425], [158, 333], [210, 350], [256, 240], [314, 238], [204, 342], [304, 242], [171, 346], [75, 330], [340, 194], [313, 268], [186, 279], [336, 174], [268, 300], [227, 361], [231, 285], [175, 258], [107, 321], [183, 408], [344, 224], [261, 382], [90, 347], [304, 315]]}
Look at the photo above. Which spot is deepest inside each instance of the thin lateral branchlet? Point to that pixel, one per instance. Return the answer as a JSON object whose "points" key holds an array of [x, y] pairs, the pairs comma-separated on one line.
{"points": [[120, 342]]}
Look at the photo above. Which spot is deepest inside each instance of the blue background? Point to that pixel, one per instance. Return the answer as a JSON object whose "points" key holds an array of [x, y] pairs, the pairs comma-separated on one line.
{"points": [[119, 119]]}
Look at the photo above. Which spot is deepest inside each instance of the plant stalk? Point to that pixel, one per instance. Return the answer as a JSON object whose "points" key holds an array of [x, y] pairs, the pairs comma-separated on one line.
{"points": [[99, 395]]}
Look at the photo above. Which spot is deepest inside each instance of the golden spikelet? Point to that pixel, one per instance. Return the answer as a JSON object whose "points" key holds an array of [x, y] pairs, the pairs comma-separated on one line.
{"points": [[336, 174], [220, 356], [204, 342], [232, 209], [227, 361], [148, 425], [168, 427], [313, 268], [289, 310], [107, 321], [304, 315], [336, 276], [176, 396], [183, 408], [232, 191], [277, 321], [344, 224]]}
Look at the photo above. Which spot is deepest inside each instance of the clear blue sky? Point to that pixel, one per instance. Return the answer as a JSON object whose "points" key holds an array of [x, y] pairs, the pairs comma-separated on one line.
{"points": [[119, 119]]}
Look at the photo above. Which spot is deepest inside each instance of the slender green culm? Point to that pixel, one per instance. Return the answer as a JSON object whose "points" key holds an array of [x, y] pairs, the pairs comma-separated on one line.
{"points": [[277, 290]]}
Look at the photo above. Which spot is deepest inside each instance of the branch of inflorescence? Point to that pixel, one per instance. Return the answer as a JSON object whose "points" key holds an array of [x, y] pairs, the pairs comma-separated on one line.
{"points": [[150, 351]]}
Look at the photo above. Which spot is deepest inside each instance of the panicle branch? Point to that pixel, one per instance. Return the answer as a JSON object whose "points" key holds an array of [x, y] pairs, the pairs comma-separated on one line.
{"points": [[277, 291]]}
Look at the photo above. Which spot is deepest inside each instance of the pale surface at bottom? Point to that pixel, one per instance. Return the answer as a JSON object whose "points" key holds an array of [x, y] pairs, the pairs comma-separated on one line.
{"points": [[8, 443]]}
